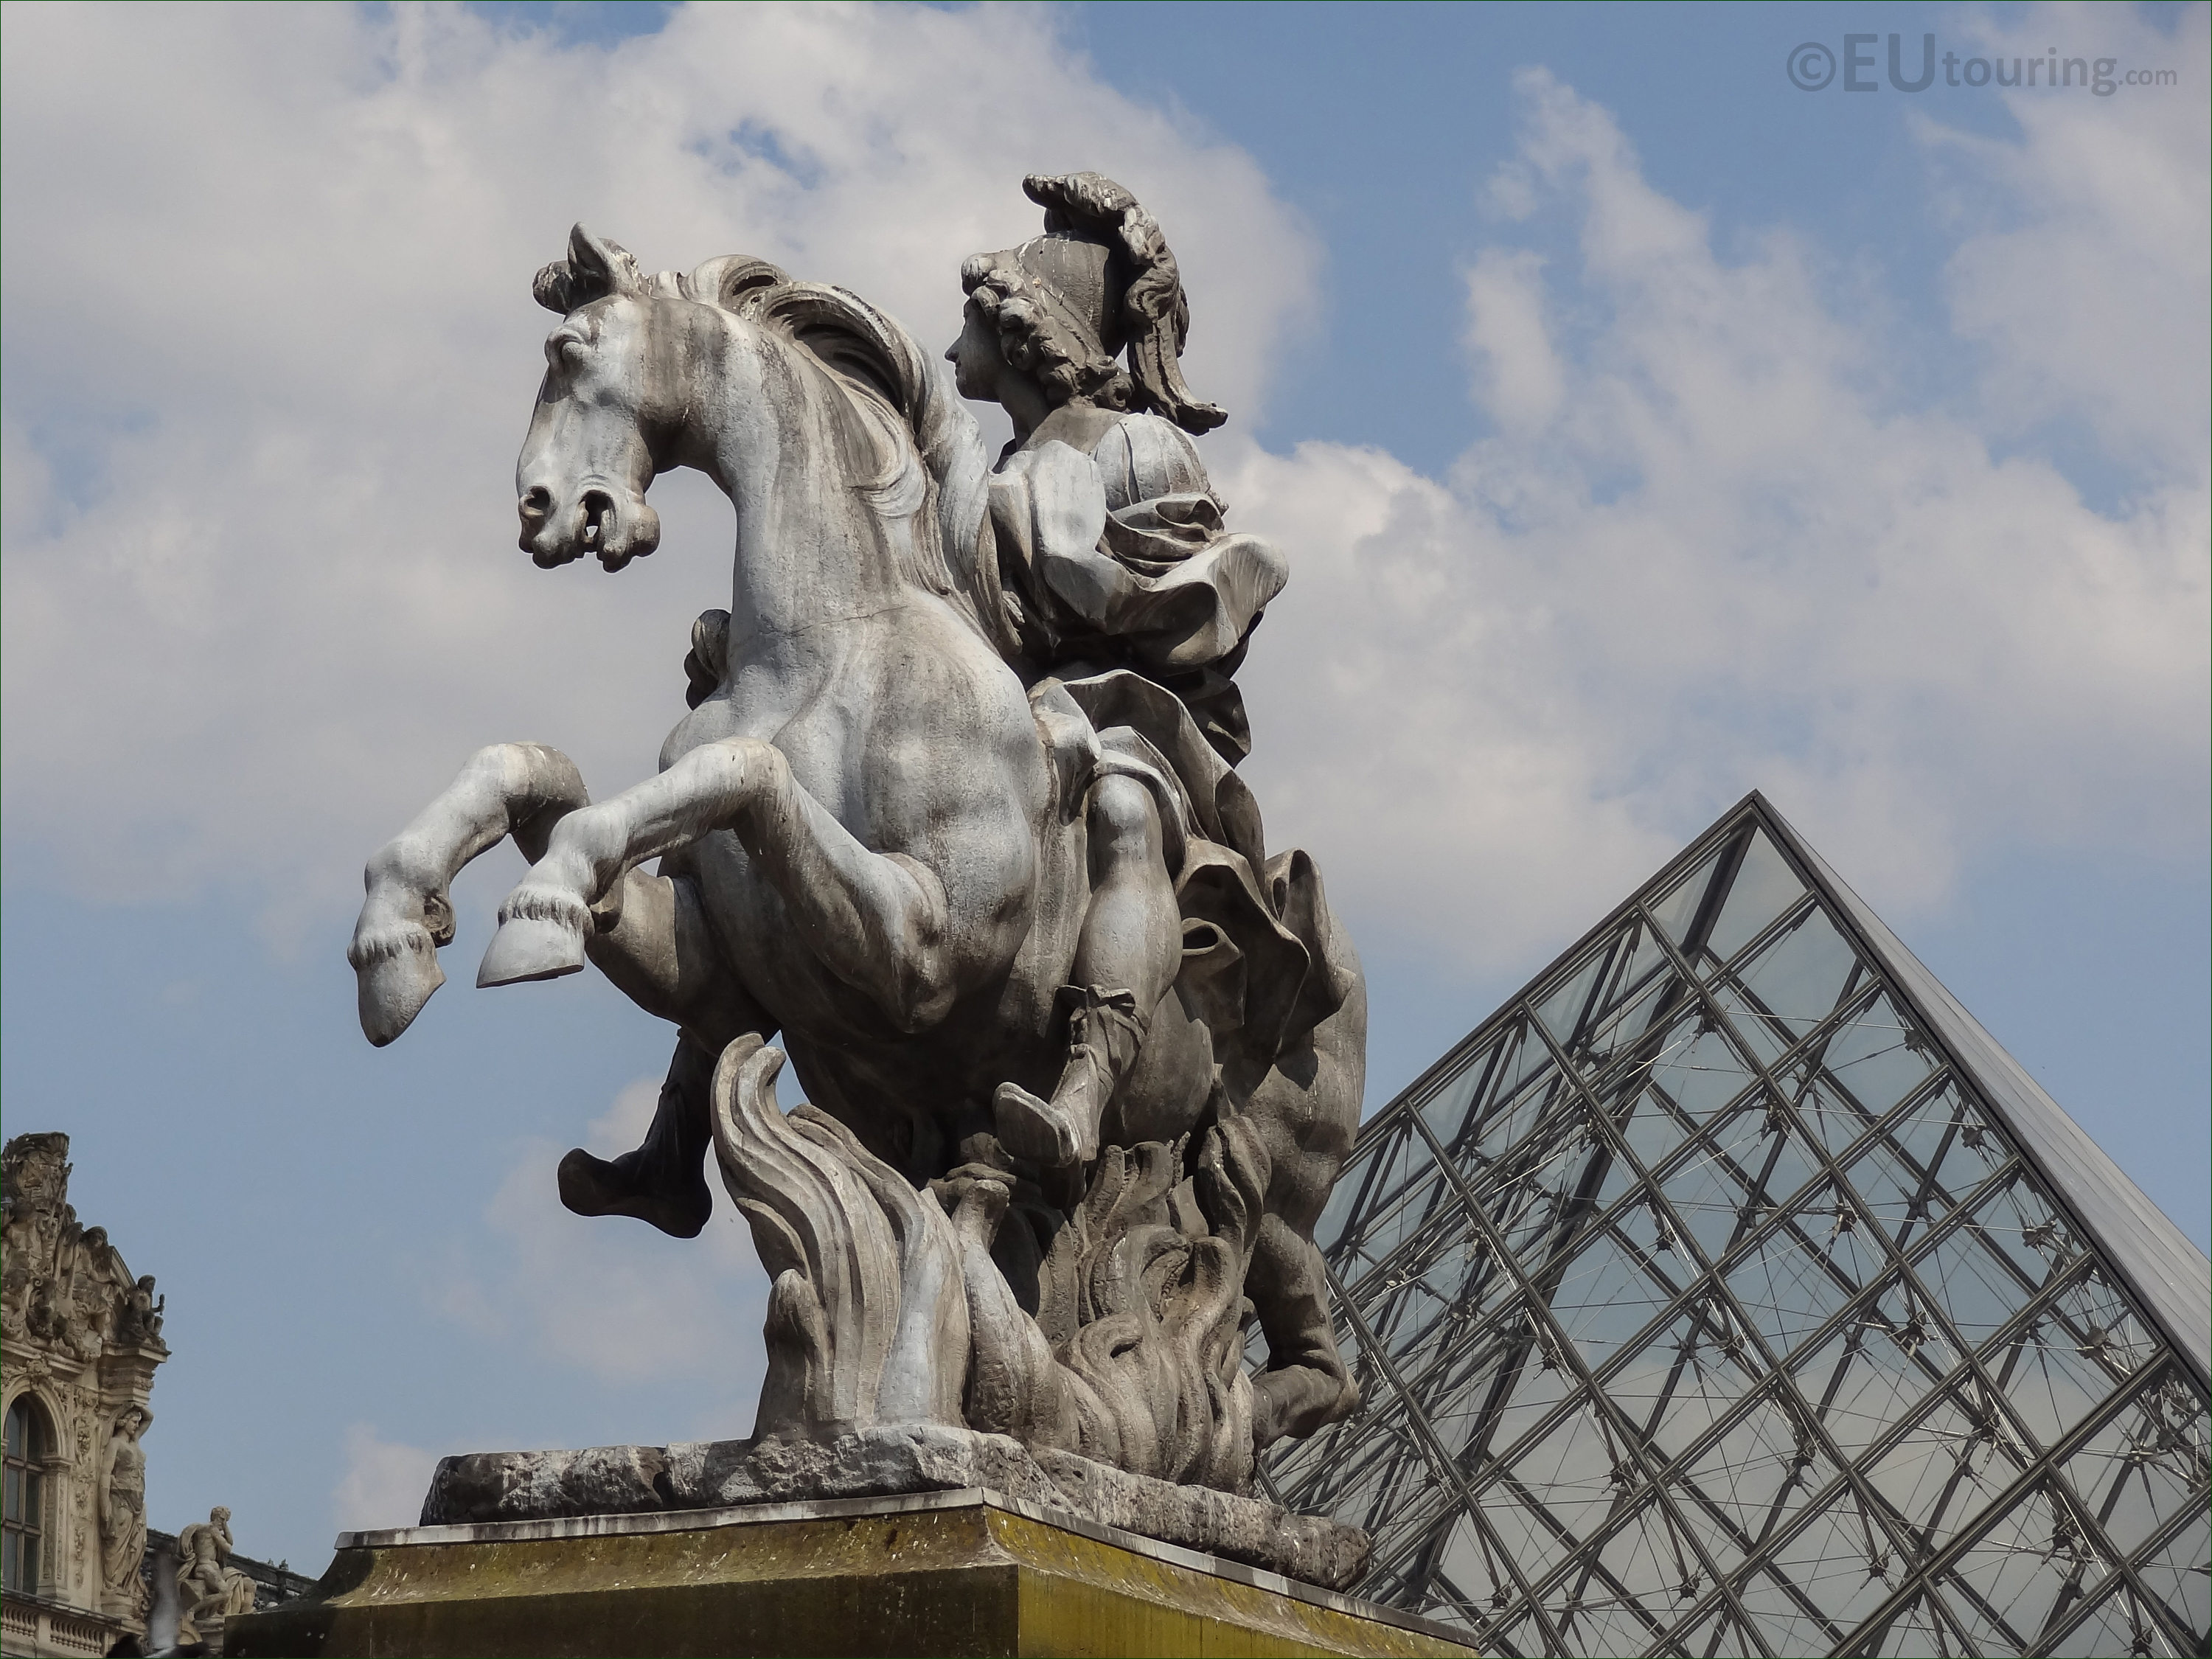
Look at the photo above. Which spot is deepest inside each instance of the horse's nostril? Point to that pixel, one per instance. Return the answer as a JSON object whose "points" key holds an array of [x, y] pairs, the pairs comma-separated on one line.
{"points": [[598, 510], [536, 502]]}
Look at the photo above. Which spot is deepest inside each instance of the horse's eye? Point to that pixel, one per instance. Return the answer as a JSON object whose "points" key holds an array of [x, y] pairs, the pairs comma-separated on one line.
{"points": [[564, 350]]}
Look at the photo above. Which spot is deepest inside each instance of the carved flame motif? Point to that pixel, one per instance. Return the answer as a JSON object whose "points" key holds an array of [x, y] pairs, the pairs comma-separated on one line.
{"points": [[884, 1309]]}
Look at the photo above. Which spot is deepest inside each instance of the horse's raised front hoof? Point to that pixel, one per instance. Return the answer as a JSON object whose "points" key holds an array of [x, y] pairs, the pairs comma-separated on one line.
{"points": [[594, 1186], [395, 971], [526, 948]]}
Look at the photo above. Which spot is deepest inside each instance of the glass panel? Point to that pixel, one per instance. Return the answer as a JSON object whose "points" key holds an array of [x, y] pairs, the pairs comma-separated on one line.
{"points": [[1467, 1397], [1764, 886], [1618, 1598], [1694, 1072], [1920, 1630], [2178, 1572], [1767, 1039], [1559, 1490], [1751, 1481], [1525, 1636], [1641, 989], [1974, 1285], [1378, 1476], [1799, 977], [2081, 1346], [1712, 1629], [1607, 1296], [1865, 1377], [1518, 1089], [1679, 1386], [1824, 1581], [2118, 1624], [1528, 1355], [1792, 1278], [1475, 1573], [1950, 1144], [2018, 1220], [1438, 1287], [2024, 1575], [1404, 1546], [1562, 1007], [1447, 1111], [2145, 1466], [1943, 1473], [1746, 1168], [1903, 1200], [1678, 910], [1402, 1194], [1878, 1058]]}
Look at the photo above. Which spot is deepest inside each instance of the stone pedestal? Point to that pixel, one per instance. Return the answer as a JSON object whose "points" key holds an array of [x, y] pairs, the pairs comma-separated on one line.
{"points": [[939, 1572]]}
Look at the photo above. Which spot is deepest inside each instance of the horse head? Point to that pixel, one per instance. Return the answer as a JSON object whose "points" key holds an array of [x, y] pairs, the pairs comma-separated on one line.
{"points": [[618, 382]]}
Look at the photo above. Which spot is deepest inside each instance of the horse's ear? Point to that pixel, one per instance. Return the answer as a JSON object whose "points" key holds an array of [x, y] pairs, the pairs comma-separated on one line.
{"points": [[725, 282], [594, 269]]}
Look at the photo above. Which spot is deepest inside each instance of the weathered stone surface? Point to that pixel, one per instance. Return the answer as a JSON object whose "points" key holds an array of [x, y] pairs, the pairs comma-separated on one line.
{"points": [[955, 817], [939, 1572], [483, 1487]]}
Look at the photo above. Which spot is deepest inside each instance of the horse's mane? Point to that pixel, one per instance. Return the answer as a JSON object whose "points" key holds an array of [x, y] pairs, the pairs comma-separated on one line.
{"points": [[941, 483]]}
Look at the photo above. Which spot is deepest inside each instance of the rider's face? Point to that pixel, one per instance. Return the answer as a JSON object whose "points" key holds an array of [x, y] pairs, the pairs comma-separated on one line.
{"points": [[978, 363]]}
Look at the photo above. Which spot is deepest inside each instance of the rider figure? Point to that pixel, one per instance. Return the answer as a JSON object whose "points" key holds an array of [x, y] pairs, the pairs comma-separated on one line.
{"points": [[1155, 585]]}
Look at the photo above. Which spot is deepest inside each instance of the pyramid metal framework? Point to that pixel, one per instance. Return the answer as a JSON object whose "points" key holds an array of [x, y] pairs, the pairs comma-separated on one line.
{"points": [[1731, 1290]]}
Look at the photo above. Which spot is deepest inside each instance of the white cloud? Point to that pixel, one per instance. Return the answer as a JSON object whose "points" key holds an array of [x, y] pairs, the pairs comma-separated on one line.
{"points": [[271, 357], [608, 1296], [1700, 555], [2088, 250], [269, 360], [383, 1484]]}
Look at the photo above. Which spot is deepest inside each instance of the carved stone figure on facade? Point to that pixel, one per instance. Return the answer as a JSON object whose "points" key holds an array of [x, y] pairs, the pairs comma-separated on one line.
{"points": [[140, 1315], [209, 1589], [956, 816], [122, 1512], [63, 1292]]}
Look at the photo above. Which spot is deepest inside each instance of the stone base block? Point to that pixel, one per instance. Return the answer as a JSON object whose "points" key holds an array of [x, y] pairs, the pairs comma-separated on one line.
{"points": [[885, 1460], [936, 1572]]}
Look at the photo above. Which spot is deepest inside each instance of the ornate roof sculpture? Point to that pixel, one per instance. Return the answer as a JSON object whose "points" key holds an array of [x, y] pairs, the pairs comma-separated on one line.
{"points": [[81, 1337], [1731, 1290]]}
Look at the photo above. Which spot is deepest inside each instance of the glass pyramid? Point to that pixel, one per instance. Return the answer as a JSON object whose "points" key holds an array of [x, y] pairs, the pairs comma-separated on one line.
{"points": [[1729, 1290]]}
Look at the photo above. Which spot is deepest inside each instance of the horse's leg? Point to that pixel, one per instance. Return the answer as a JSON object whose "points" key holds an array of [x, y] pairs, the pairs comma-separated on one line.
{"points": [[510, 788], [1307, 1111], [1305, 1386], [880, 922], [663, 1181], [1126, 958], [658, 948]]}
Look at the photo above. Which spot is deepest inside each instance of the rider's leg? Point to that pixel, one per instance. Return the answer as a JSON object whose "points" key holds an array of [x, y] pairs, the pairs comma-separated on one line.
{"points": [[1126, 959]]}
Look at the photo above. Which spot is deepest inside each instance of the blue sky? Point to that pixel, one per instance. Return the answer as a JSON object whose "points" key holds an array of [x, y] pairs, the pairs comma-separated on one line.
{"points": [[1640, 428]]}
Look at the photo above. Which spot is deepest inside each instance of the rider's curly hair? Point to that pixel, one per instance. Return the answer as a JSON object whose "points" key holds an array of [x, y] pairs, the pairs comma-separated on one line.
{"points": [[1101, 277], [1056, 349]]}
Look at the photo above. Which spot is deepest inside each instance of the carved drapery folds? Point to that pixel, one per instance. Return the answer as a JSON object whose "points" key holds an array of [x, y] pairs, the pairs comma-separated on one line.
{"points": [[888, 1304]]}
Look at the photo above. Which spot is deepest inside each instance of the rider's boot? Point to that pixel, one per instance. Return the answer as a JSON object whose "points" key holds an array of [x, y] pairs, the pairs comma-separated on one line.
{"points": [[663, 1181], [1106, 1031]]}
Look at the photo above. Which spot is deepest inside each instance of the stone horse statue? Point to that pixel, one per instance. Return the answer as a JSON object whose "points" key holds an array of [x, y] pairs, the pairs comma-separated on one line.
{"points": [[884, 833]]}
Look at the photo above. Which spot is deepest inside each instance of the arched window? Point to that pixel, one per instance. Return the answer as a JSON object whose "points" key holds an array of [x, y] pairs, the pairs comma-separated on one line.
{"points": [[29, 1442]]}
